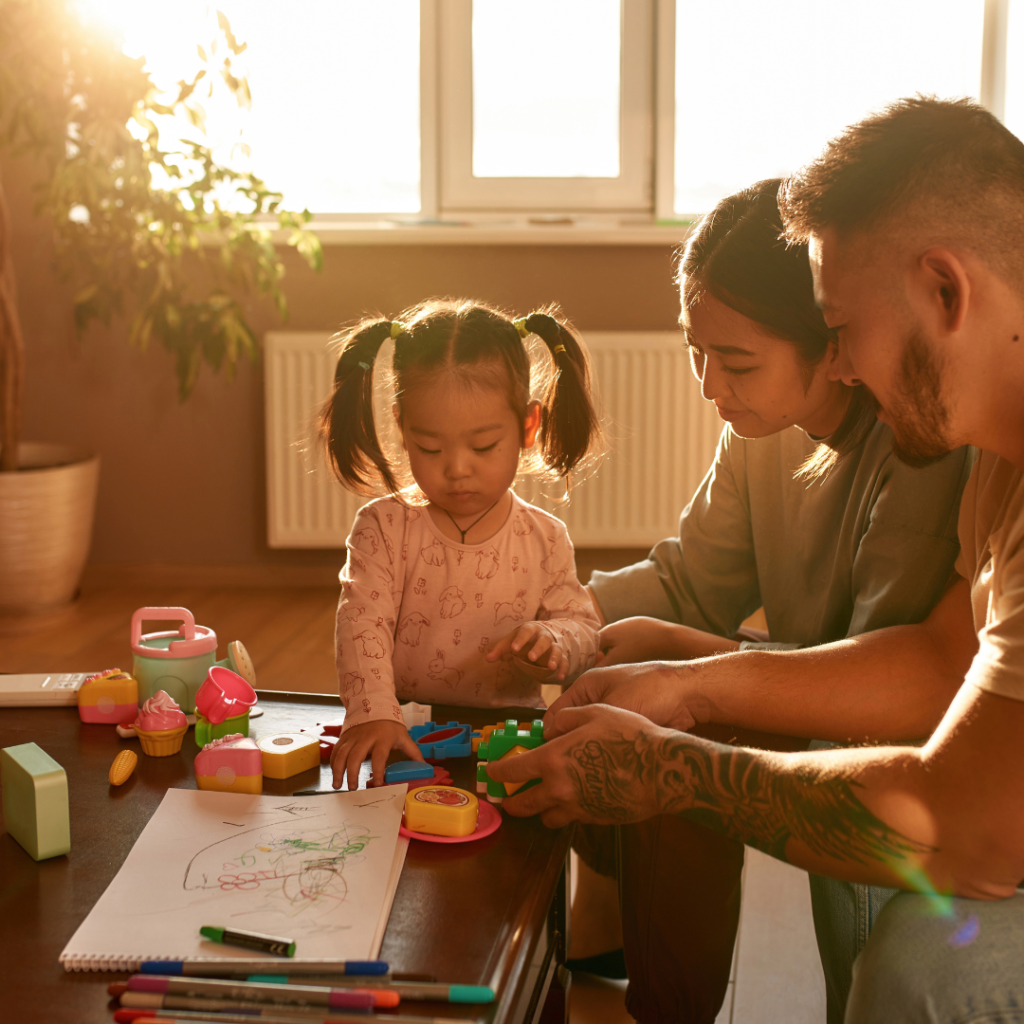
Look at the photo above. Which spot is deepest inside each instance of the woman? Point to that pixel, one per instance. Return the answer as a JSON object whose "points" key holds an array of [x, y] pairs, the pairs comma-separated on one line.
{"points": [[805, 512]]}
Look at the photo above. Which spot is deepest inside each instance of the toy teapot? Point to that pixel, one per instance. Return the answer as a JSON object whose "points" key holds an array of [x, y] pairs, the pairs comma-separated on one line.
{"points": [[178, 661]]}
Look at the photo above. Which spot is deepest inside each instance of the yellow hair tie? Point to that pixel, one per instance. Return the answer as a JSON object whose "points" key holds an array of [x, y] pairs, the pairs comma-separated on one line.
{"points": [[558, 348], [520, 326], [396, 329]]}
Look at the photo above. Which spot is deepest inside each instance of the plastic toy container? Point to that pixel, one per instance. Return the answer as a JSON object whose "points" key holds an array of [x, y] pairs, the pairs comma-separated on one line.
{"points": [[178, 661], [223, 695]]}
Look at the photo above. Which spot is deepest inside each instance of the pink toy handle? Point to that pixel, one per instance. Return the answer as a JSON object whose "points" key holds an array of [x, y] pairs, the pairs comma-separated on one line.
{"points": [[182, 615]]}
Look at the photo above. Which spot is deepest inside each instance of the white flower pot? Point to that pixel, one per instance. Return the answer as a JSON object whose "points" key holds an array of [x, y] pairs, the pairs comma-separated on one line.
{"points": [[47, 509]]}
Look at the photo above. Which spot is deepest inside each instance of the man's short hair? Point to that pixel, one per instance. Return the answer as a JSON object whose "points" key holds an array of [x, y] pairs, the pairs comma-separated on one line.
{"points": [[943, 171]]}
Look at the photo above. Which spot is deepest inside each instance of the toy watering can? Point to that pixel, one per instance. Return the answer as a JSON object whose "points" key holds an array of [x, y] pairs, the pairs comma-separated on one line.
{"points": [[178, 660]]}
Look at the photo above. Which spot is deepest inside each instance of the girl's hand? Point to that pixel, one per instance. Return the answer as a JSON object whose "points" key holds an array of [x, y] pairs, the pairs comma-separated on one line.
{"points": [[537, 650], [374, 740]]}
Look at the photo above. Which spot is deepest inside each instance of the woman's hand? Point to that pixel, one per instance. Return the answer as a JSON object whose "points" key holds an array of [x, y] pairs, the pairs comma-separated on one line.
{"points": [[641, 638], [665, 694], [374, 740], [537, 651]]}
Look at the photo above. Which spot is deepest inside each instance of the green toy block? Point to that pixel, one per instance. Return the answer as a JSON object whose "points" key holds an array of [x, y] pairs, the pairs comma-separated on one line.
{"points": [[497, 746], [206, 731], [35, 796]]}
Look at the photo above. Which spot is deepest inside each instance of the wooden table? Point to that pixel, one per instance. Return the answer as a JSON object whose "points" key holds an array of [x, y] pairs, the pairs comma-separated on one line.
{"points": [[492, 912]]}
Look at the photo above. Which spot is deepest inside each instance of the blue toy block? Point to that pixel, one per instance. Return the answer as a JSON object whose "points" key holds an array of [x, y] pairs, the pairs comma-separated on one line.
{"points": [[35, 796], [407, 771], [496, 746], [452, 740]]}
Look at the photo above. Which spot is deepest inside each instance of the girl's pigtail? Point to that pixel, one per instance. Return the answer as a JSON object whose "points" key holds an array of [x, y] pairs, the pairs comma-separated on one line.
{"points": [[569, 426], [347, 428]]}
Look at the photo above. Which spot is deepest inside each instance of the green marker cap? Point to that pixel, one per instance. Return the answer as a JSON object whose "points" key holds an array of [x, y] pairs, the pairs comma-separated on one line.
{"points": [[470, 994]]}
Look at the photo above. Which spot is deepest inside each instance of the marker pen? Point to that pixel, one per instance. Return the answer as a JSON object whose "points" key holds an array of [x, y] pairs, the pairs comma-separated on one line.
{"points": [[249, 940]]}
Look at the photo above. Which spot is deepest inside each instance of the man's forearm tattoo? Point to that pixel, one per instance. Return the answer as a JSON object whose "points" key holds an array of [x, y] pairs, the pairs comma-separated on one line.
{"points": [[732, 791]]}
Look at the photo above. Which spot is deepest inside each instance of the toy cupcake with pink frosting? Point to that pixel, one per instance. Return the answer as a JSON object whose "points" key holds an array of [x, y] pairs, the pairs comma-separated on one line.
{"points": [[161, 725]]}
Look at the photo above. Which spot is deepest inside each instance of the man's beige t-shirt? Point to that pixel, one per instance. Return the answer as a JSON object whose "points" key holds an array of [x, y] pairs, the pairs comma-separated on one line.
{"points": [[992, 560]]}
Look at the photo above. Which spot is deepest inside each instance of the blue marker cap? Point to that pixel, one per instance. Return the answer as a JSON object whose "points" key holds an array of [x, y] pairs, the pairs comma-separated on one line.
{"points": [[162, 967], [365, 967]]}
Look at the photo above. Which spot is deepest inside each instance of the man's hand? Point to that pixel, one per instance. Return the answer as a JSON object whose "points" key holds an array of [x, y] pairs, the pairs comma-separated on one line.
{"points": [[664, 693], [599, 765], [374, 740], [537, 650]]}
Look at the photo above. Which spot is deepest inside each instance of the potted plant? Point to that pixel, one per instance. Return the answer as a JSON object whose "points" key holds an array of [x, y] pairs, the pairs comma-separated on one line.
{"points": [[150, 234]]}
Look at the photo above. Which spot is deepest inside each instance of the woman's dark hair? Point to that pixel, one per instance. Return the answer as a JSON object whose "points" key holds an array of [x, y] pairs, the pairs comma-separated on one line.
{"points": [[737, 254], [476, 344]]}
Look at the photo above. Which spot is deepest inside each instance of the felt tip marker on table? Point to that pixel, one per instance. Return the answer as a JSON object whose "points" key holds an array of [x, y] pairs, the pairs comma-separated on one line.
{"points": [[244, 966], [405, 989], [186, 1017], [249, 940], [216, 989]]}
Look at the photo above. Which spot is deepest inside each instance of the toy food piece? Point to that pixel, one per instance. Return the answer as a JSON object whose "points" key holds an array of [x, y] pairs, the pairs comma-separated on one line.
{"points": [[35, 798], [407, 771], [288, 753], [122, 768], [110, 697], [161, 725], [231, 764], [441, 811]]}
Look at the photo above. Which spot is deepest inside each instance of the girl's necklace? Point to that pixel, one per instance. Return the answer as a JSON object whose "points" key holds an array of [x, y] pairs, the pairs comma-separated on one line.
{"points": [[472, 524]]}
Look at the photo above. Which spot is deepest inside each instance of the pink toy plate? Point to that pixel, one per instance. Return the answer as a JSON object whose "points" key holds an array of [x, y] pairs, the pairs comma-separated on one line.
{"points": [[487, 822]]}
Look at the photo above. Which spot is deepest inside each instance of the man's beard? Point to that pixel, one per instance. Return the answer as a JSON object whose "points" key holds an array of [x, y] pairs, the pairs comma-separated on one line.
{"points": [[918, 416]]}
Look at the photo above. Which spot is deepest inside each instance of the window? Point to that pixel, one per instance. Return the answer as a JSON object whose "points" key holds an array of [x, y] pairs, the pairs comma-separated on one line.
{"points": [[421, 110], [545, 105]]}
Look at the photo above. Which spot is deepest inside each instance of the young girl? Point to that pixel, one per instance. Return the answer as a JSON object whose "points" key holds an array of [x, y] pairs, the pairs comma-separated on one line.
{"points": [[455, 591]]}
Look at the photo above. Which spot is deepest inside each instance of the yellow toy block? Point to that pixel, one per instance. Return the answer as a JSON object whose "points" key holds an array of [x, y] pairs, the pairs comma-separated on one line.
{"points": [[289, 753]]}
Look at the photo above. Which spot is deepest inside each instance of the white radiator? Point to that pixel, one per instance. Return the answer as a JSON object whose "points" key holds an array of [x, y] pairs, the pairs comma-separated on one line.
{"points": [[661, 441]]}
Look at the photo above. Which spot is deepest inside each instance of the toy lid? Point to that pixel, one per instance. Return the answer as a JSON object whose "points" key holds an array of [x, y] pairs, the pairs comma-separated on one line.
{"points": [[187, 642]]}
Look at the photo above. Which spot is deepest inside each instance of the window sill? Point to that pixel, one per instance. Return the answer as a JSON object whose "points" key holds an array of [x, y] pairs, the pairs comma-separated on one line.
{"points": [[525, 231]]}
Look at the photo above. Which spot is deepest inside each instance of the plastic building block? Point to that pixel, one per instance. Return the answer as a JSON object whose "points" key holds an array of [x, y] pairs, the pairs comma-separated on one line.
{"points": [[438, 742], [498, 745], [288, 753], [407, 771], [440, 777], [231, 764], [122, 767], [35, 796], [109, 698], [441, 811]]}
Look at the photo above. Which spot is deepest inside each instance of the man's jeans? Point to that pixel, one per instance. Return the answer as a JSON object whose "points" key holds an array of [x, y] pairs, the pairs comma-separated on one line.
{"points": [[844, 914], [950, 961]]}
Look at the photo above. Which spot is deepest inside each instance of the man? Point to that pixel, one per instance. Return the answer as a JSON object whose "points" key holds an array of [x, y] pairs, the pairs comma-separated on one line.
{"points": [[915, 220]]}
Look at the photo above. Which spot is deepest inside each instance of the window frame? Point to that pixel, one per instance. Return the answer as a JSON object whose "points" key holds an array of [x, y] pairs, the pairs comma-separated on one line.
{"points": [[462, 192], [451, 199]]}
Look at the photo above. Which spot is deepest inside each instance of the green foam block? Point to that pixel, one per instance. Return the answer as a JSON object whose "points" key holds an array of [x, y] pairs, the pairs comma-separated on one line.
{"points": [[35, 796]]}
